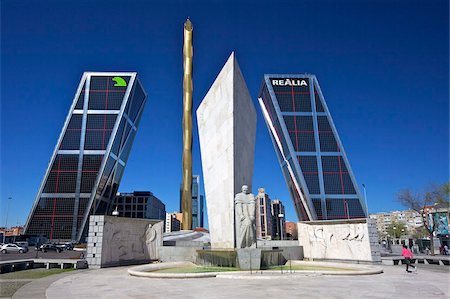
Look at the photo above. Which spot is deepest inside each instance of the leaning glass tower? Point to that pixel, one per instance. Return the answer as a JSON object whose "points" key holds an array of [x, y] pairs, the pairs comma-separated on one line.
{"points": [[87, 164], [312, 158]]}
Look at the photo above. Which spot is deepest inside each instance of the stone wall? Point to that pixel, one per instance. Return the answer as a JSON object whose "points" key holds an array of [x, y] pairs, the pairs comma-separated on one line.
{"points": [[114, 241], [349, 240], [179, 254]]}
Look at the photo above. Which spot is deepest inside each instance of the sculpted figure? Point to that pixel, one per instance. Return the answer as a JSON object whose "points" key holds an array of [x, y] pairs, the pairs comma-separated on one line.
{"points": [[153, 240], [244, 206]]}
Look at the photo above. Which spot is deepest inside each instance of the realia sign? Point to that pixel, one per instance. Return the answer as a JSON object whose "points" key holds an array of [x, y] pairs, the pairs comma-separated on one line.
{"points": [[289, 82]]}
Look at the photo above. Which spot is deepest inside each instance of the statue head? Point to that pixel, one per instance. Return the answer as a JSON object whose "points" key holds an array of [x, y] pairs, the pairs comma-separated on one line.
{"points": [[245, 189]]}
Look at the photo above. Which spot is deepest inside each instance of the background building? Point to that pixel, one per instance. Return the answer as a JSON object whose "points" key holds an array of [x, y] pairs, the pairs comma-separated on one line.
{"points": [[140, 204], [441, 216], [264, 225], [86, 167], [411, 219], [291, 230], [10, 233], [197, 203], [172, 223], [279, 221], [311, 155]]}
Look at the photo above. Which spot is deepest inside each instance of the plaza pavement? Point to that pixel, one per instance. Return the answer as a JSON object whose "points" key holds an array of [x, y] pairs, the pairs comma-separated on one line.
{"points": [[431, 281]]}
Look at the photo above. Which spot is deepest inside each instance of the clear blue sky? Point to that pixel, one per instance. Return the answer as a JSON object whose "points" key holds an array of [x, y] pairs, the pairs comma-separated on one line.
{"points": [[382, 65]]}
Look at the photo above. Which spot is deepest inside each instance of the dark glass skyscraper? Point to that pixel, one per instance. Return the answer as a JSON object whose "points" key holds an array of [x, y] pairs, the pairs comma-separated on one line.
{"points": [[197, 203], [87, 164], [311, 155], [278, 220]]}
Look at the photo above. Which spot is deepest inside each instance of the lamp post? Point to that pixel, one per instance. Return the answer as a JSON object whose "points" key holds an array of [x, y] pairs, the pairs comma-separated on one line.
{"points": [[389, 242], [281, 225], [395, 233], [6, 220]]}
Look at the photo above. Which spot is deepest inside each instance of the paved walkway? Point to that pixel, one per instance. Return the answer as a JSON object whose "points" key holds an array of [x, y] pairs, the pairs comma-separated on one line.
{"points": [[37, 287], [430, 282]]}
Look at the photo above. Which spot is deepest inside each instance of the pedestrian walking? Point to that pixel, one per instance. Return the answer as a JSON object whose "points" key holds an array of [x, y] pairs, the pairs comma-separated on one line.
{"points": [[407, 254]]}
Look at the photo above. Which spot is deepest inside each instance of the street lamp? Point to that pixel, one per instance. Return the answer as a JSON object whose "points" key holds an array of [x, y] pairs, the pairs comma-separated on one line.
{"points": [[281, 225], [6, 220], [395, 234]]}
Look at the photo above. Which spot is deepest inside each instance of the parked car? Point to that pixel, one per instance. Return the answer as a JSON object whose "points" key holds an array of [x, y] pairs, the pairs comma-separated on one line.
{"points": [[66, 246], [49, 247], [8, 248], [22, 243]]}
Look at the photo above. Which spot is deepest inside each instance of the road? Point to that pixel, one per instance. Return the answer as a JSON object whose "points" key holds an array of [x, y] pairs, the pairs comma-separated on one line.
{"points": [[67, 254]]}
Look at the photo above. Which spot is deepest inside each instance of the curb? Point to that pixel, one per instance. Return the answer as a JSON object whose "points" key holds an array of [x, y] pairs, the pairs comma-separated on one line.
{"points": [[146, 271]]}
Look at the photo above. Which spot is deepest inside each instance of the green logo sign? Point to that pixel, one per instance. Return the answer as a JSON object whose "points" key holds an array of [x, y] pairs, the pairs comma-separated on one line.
{"points": [[119, 81]]}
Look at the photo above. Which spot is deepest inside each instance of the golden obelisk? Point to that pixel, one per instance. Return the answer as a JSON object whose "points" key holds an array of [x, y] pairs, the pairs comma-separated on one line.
{"points": [[186, 189]]}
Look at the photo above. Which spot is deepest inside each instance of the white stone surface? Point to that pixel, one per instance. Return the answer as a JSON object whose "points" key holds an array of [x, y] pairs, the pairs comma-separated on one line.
{"points": [[122, 241], [154, 239], [339, 240], [227, 126]]}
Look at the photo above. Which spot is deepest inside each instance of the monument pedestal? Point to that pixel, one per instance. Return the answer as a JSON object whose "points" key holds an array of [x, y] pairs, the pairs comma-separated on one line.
{"points": [[249, 258], [243, 258]]}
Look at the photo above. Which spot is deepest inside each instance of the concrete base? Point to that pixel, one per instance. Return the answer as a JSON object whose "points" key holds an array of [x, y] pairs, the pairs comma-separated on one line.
{"points": [[249, 258], [346, 240], [290, 250], [216, 257], [120, 241], [178, 254]]}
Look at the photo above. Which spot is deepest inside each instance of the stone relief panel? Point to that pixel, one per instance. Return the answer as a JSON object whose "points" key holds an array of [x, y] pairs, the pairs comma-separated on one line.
{"points": [[347, 241], [123, 241]]}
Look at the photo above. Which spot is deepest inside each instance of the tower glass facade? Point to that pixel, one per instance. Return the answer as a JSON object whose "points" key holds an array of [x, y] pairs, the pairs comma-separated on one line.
{"points": [[197, 203], [311, 155], [90, 155]]}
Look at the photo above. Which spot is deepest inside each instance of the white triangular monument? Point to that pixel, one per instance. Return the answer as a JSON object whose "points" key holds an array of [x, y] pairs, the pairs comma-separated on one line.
{"points": [[226, 121]]}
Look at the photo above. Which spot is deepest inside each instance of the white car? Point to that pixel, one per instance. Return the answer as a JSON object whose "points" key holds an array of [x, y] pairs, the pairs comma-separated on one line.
{"points": [[7, 248]]}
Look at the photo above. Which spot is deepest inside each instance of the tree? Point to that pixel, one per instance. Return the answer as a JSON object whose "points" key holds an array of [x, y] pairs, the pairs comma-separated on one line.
{"points": [[423, 203], [396, 229], [419, 233]]}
